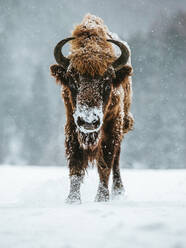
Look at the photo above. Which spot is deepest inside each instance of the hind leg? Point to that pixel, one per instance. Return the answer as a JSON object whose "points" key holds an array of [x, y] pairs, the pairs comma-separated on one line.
{"points": [[117, 187]]}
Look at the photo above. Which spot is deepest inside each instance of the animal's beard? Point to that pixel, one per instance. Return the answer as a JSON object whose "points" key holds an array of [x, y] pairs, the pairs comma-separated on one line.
{"points": [[89, 141]]}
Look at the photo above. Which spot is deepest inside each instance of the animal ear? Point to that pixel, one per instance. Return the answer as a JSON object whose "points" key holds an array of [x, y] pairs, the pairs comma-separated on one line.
{"points": [[59, 73], [121, 74]]}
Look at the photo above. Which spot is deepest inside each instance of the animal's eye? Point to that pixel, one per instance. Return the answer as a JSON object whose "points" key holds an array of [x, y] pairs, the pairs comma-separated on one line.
{"points": [[72, 85], [107, 88]]}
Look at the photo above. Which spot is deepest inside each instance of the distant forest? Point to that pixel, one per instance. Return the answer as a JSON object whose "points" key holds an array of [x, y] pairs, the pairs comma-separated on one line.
{"points": [[33, 116], [159, 98]]}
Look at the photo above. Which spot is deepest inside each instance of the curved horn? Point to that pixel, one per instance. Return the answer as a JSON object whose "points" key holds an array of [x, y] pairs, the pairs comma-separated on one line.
{"points": [[60, 59], [122, 60]]}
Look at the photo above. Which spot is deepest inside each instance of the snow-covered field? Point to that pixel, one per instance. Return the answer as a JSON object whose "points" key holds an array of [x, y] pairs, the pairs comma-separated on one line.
{"points": [[33, 213]]}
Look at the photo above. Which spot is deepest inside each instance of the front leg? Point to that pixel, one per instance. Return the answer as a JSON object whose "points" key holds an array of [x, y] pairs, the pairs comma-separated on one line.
{"points": [[106, 156], [77, 166], [103, 191], [77, 163], [105, 162], [74, 194]]}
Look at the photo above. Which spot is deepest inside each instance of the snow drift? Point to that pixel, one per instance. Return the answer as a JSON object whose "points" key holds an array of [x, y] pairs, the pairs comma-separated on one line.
{"points": [[33, 212]]}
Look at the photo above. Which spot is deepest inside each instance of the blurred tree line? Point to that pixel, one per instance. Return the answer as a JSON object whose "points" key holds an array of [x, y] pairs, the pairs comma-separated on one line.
{"points": [[32, 114], [159, 101]]}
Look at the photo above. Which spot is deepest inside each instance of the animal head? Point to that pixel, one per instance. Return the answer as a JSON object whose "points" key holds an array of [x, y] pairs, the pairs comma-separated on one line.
{"points": [[90, 74]]}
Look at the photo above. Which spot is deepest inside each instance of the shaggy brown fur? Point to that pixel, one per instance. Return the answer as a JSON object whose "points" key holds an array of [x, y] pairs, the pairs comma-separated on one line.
{"points": [[91, 38], [86, 82]]}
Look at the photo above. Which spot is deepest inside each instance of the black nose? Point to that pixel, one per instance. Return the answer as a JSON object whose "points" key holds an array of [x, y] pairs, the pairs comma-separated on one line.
{"points": [[88, 125]]}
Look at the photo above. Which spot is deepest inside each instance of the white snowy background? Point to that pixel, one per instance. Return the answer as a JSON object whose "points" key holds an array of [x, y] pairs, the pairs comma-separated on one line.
{"points": [[31, 111], [33, 212]]}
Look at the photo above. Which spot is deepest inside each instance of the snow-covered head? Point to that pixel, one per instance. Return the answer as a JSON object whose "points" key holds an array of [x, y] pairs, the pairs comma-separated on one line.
{"points": [[92, 99], [90, 73]]}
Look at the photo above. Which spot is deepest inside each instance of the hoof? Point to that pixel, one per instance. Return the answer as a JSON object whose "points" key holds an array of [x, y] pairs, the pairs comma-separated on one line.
{"points": [[102, 195], [73, 199], [101, 198], [117, 192]]}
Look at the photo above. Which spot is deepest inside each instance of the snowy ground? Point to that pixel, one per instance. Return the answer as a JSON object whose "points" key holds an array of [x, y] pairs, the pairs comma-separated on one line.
{"points": [[33, 213]]}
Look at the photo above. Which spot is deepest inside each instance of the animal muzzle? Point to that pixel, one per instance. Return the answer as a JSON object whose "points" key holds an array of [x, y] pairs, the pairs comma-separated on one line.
{"points": [[88, 126], [88, 122]]}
